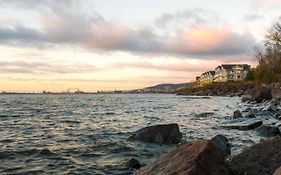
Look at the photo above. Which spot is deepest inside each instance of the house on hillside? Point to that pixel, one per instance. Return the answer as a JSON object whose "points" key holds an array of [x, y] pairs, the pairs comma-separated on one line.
{"points": [[231, 72], [207, 77]]}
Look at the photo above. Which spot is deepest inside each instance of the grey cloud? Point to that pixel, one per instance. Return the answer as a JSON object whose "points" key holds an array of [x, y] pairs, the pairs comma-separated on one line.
{"points": [[78, 27], [189, 17]]}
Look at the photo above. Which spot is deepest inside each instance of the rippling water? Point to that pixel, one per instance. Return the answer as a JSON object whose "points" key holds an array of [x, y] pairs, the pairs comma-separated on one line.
{"points": [[87, 134]]}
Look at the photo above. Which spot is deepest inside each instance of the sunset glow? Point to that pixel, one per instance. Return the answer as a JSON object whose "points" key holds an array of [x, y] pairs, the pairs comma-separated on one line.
{"points": [[92, 45]]}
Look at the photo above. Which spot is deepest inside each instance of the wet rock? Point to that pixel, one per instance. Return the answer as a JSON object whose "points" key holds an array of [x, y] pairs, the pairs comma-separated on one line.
{"points": [[162, 134], [259, 93], [278, 171], [222, 144], [45, 151], [242, 124], [198, 158], [133, 163], [237, 114], [267, 131], [260, 159]]}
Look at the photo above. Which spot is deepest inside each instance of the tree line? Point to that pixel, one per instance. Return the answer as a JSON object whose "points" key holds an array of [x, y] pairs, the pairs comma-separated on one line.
{"points": [[268, 69]]}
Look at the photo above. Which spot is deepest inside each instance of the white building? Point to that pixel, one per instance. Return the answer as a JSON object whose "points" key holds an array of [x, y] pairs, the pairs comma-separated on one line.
{"points": [[231, 72], [207, 77]]}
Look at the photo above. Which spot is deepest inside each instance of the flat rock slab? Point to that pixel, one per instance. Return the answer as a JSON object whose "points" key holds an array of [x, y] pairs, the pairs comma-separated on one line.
{"points": [[260, 159], [162, 134], [242, 124], [198, 158]]}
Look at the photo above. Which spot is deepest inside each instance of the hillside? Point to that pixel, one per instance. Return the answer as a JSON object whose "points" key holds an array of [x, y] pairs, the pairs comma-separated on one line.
{"points": [[163, 88]]}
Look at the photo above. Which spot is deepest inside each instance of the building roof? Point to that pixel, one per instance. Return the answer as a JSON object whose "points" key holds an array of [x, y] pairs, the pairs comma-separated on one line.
{"points": [[230, 66]]}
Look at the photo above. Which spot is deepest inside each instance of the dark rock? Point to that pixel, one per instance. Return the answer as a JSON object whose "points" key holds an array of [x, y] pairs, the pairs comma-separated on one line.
{"points": [[260, 159], [278, 171], [242, 124], [260, 93], [222, 144], [267, 131], [162, 134], [237, 114], [198, 158], [45, 151], [205, 114], [133, 163]]}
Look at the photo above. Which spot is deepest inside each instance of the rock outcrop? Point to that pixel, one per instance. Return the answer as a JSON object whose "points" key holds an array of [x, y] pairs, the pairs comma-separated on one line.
{"points": [[198, 158], [260, 159], [162, 134], [260, 93]]}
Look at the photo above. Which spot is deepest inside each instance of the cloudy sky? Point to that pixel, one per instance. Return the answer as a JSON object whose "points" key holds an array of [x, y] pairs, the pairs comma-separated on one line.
{"points": [[124, 44]]}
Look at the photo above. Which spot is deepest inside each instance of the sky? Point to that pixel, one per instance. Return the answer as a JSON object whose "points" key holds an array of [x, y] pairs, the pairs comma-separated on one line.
{"points": [[54, 45]]}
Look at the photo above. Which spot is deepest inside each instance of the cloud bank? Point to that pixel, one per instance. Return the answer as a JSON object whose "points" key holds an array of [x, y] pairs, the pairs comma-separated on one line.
{"points": [[195, 32]]}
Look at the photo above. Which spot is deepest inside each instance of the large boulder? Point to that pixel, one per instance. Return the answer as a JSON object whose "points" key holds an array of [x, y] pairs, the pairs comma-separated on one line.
{"points": [[260, 93], [162, 134], [242, 124], [198, 158], [222, 144], [267, 131], [260, 159]]}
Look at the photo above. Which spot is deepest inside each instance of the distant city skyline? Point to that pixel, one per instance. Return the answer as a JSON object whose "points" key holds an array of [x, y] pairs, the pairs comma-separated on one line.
{"points": [[126, 44]]}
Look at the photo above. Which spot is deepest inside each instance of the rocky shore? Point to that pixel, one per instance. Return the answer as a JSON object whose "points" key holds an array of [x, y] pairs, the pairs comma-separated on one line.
{"points": [[213, 157], [225, 89]]}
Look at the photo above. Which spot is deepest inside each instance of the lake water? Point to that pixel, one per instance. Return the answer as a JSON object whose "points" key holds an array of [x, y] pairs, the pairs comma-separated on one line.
{"points": [[87, 134]]}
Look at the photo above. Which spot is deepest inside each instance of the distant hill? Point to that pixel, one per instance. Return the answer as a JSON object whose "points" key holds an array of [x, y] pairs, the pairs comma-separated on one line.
{"points": [[163, 88]]}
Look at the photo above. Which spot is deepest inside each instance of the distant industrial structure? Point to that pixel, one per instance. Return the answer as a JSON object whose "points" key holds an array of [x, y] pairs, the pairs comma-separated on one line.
{"points": [[224, 73]]}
